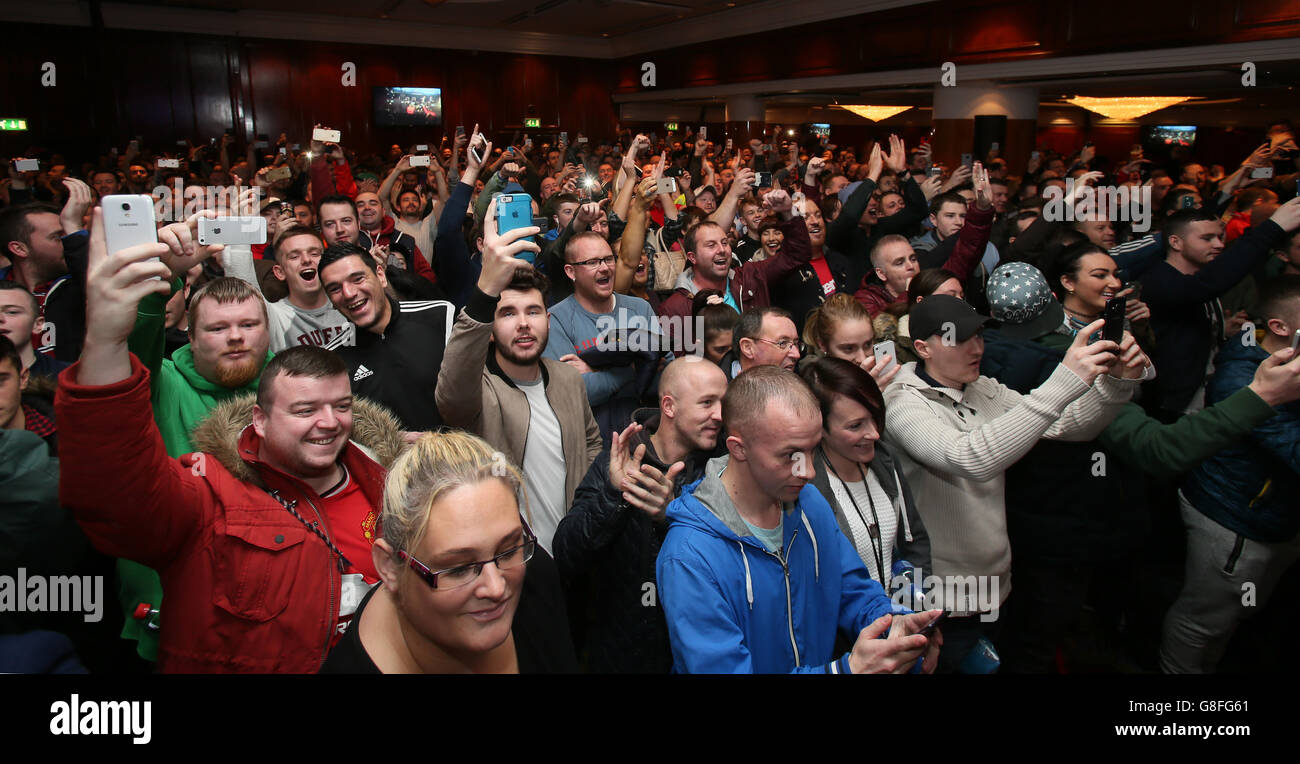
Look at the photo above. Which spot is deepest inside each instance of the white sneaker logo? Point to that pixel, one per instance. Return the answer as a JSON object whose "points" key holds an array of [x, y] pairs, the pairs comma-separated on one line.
{"points": [[362, 373]]}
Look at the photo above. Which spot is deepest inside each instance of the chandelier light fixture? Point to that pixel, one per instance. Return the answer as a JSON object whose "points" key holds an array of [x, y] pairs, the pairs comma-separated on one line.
{"points": [[874, 113], [1126, 108]]}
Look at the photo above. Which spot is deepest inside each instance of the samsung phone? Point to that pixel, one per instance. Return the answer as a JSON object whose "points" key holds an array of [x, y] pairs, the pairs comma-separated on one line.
{"points": [[128, 221], [233, 230], [326, 136], [420, 161], [885, 353], [1114, 315]]}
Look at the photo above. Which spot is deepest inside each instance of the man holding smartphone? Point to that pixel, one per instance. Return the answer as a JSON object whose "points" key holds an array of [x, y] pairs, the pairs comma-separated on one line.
{"points": [[755, 575], [532, 408]]}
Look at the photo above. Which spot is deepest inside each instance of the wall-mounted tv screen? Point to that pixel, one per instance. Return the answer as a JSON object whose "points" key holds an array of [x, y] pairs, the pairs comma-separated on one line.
{"points": [[1171, 135], [408, 106], [821, 129]]}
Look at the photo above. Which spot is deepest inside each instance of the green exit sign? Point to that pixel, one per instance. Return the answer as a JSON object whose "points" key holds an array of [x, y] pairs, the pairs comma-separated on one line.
{"points": [[532, 122], [671, 126], [13, 124]]}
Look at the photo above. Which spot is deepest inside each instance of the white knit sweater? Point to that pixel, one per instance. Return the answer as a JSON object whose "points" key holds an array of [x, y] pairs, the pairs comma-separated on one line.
{"points": [[956, 445]]}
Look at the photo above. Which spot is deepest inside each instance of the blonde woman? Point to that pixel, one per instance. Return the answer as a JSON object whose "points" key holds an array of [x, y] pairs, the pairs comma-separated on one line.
{"points": [[842, 328], [464, 586]]}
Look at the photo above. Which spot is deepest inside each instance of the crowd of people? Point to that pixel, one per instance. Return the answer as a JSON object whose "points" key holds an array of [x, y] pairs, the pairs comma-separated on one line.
{"points": [[419, 431]]}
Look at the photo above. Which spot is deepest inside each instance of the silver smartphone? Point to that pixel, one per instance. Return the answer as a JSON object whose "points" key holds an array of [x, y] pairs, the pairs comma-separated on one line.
{"points": [[128, 221], [420, 161], [1295, 341], [250, 229], [885, 354], [27, 165], [326, 136], [666, 186], [170, 163], [422, 147], [704, 132]]}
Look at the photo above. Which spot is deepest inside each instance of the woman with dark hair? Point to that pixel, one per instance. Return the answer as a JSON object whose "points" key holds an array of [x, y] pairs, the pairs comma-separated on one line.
{"points": [[859, 477], [771, 238], [1083, 276]]}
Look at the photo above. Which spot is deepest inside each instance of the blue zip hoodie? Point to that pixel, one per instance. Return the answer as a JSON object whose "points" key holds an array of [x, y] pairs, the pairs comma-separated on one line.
{"points": [[1250, 487], [733, 607]]}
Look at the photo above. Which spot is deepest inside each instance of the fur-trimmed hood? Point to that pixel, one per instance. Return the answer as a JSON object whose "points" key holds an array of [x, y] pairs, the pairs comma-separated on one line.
{"points": [[374, 429]]}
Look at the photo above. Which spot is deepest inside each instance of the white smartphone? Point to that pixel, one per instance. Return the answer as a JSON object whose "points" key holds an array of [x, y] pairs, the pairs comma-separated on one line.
{"points": [[704, 132], [1261, 172], [729, 144], [234, 230], [1295, 341], [885, 354], [422, 147], [326, 136], [666, 186], [477, 151], [128, 221], [172, 163], [28, 165], [420, 161], [582, 139], [796, 204]]}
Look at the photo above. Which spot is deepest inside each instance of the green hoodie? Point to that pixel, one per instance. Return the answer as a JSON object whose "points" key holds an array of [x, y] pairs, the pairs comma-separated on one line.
{"points": [[181, 399]]}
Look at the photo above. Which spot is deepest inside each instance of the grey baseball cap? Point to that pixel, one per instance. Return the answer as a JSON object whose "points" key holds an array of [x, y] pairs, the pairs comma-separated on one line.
{"points": [[1021, 301]]}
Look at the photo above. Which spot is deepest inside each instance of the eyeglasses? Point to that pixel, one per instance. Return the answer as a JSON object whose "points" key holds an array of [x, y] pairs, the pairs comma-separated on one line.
{"points": [[596, 262], [464, 575], [782, 345]]}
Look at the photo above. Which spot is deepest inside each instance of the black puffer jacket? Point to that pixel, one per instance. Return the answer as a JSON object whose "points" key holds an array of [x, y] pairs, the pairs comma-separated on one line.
{"points": [[606, 551]]}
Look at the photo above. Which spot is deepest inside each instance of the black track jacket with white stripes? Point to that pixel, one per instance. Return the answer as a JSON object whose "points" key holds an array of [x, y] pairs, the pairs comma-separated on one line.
{"points": [[399, 368]]}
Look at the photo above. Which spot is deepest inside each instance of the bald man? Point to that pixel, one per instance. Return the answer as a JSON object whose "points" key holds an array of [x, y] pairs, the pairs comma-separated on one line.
{"points": [[606, 545], [755, 575]]}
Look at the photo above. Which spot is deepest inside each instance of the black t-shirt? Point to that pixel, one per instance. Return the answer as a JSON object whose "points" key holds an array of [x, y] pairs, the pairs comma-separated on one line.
{"points": [[541, 628]]}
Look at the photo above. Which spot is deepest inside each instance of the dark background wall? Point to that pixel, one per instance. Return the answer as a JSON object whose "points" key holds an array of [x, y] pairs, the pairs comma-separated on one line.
{"points": [[112, 85], [965, 31]]}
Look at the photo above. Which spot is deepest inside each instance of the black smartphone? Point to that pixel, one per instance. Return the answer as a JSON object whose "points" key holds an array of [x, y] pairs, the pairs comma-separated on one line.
{"points": [[932, 625], [1114, 315]]}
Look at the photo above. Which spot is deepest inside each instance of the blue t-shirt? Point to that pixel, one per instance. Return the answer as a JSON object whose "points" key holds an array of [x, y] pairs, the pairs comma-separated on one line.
{"points": [[770, 538]]}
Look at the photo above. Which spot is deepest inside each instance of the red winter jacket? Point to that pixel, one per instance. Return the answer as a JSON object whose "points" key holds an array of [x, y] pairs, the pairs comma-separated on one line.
{"points": [[247, 587]]}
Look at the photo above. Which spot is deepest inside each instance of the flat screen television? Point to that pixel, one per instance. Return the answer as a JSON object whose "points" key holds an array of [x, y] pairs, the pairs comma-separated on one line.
{"points": [[1171, 135], [820, 129], [396, 107]]}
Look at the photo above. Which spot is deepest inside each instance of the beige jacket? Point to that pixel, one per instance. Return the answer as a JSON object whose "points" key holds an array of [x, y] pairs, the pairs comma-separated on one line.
{"points": [[474, 394]]}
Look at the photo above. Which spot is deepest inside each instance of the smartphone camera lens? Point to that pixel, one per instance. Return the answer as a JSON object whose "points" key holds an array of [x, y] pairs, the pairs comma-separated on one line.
{"points": [[126, 206]]}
